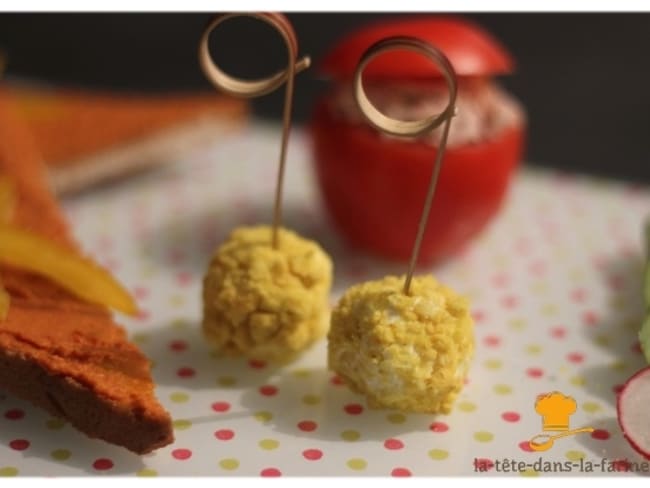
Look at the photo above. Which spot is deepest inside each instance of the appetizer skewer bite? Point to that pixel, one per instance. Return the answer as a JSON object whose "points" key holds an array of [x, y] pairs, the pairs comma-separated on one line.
{"points": [[266, 290], [404, 342]]}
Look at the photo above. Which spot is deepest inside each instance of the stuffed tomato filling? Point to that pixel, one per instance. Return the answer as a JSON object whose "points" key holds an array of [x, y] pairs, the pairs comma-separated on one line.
{"points": [[484, 109]]}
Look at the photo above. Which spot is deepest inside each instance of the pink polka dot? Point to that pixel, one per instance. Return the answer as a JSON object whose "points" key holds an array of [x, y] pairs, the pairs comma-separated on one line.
{"points": [[439, 427], [268, 390], [270, 472], [500, 279], [558, 332], [510, 416], [400, 472], [183, 278], [621, 465], [185, 372], [181, 454], [600, 434], [224, 434], [509, 301], [178, 345], [176, 256], [525, 446], [537, 268], [616, 282], [353, 408], [336, 380], [102, 464], [19, 444], [14, 414], [590, 318], [393, 444], [578, 295], [492, 341], [141, 292], [575, 357], [220, 406], [257, 364], [534, 372], [478, 315], [142, 315], [307, 425], [483, 464], [312, 454]]}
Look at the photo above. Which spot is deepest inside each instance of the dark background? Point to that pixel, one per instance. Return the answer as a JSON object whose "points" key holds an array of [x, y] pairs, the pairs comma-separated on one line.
{"points": [[584, 78]]}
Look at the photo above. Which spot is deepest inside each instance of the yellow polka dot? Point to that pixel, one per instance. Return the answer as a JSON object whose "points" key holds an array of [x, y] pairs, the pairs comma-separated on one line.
{"points": [[396, 418], [176, 300], [311, 399], [602, 340], [618, 365], [577, 381], [301, 373], [483, 436], [528, 472], [214, 354], [268, 444], [263, 416], [229, 464], [493, 363], [226, 381], [8, 471], [182, 424], [618, 302], [563, 369], [179, 397], [55, 424], [576, 274], [517, 324], [502, 389], [438, 454], [549, 309], [350, 435], [590, 407], [180, 324], [533, 349], [140, 338], [147, 271], [539, 287], [574, 455], [630, 324], [147, 472], [357, 464], [466, 406], [60, 454]]}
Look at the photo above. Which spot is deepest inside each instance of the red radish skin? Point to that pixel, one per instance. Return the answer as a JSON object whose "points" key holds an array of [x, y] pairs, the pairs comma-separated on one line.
{"points": [[633, 413]]}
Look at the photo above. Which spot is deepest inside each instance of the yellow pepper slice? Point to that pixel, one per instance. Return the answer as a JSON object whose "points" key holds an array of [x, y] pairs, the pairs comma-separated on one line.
{"points": [[31, 252], [7, 203]]}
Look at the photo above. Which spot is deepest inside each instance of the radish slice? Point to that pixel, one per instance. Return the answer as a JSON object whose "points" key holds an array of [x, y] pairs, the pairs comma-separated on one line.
{"points": [[633, 413]]}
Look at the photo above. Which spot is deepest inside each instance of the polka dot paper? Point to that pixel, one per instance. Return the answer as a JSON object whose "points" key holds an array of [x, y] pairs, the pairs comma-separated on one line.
{"points": [[555, 287]]}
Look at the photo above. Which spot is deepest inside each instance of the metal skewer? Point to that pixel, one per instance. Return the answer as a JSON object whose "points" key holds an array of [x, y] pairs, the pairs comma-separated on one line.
{"points": [[249, 89], [415, 128]]}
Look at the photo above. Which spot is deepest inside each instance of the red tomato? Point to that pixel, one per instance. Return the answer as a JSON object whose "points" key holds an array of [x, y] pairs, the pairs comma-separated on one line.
{"points": [[374, 187], [472, 51]]}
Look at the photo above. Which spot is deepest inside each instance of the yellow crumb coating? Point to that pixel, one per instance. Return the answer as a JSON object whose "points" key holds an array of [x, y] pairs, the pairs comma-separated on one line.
{"points": [[405, 352], [266, 303]]}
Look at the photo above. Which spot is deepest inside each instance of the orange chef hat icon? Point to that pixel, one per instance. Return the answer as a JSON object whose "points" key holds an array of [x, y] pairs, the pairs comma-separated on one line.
{"points": [[555, 409]]}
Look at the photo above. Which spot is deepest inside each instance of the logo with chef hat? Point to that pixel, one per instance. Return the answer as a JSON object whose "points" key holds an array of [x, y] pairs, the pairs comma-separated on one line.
{"points": [[555, 408]]}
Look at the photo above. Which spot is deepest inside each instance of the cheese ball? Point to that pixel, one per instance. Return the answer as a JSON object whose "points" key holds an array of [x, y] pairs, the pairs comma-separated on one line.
{"points": [[405, 352], [265, 303]]}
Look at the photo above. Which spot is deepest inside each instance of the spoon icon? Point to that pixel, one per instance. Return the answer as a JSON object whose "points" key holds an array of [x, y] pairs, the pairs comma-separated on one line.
{"points": [[544, 442]]}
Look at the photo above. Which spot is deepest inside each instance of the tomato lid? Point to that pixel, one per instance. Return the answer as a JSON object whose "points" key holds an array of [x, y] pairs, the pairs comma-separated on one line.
{"points": [[470, 49]]}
